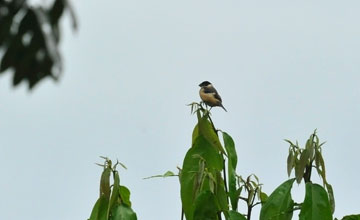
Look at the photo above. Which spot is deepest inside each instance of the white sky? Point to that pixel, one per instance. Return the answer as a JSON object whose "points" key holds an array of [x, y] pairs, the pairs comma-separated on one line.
{"points": [[282, 68]]}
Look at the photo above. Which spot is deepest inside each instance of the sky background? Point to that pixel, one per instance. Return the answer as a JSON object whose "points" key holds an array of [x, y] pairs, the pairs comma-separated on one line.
{"points": [[283, 69]]}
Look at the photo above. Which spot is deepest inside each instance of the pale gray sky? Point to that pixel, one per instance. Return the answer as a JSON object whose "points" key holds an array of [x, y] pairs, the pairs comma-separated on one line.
{"points": [[283, 69]]}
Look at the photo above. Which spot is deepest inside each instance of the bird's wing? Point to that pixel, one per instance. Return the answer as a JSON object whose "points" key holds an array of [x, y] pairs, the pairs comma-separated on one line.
{"points": [[209, 90], [217, 96], [213, 91]]}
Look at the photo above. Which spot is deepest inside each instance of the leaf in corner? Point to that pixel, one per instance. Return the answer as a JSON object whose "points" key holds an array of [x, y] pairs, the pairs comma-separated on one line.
{"points": [[351, 217], [99, 212], [316, 205], [279, 204]]}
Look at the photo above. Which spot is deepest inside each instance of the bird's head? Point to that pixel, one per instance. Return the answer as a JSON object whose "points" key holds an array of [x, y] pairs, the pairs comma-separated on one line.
{"points": [[205, 83]]}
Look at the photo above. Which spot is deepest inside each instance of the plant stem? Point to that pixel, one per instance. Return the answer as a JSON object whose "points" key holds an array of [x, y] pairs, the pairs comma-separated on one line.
{"points": [[249, 212], [307, 174]]}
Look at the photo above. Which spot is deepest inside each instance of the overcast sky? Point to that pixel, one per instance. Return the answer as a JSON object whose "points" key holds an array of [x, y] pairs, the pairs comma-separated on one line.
{"points": [[283, 68]]}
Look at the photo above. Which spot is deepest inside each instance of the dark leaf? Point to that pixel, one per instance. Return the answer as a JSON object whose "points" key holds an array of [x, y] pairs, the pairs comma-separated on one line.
{"points": [[37, 57], [56, 11]]}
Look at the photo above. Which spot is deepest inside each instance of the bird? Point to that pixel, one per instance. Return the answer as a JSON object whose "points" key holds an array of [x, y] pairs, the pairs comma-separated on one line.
{"points": [[209, 95]]}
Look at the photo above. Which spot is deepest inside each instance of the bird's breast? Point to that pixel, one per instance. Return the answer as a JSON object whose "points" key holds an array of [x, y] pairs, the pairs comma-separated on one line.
{"points": [[208, 98]]}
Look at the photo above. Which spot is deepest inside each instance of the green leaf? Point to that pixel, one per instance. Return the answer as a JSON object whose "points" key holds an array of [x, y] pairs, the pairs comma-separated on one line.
{"points": [[230, 149], [351, 217], [99, 211], [317, 161], [233, 215], [201, 150], [279, 204], [125, 195], [206, 207], [316, 205], [291, 143], [322, 167], [220, 193], [207, 130], [290, 162], [331, 197], [195, 133], [232, 162], [167, 174], [300, 167], [122, 212], [105, 183], [115, 192], [263, 197], [310, 145]]}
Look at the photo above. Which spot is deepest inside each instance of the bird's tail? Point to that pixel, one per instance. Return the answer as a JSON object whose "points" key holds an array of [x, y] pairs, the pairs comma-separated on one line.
{"points": [[223, 107]]}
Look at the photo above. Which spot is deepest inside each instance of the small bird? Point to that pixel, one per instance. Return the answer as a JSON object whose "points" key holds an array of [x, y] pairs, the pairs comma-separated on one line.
{"points": [[209, 95]]}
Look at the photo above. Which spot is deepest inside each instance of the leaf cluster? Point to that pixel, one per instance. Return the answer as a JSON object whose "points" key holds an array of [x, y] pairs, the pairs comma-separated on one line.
{"points": [[205, 193], [29, 37], [114, 200], [302, 160], [210, 190]]}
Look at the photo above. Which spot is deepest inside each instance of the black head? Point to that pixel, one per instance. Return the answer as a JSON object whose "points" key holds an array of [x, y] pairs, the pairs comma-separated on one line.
{"points": [[205, 83]]}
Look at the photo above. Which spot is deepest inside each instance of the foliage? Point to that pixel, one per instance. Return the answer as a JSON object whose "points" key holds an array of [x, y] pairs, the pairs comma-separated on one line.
{"points": [[203, 179], [350, 217], [29, 38], [210, 191], [206, 184], [114, 201], [303, 159], [279, 205]]}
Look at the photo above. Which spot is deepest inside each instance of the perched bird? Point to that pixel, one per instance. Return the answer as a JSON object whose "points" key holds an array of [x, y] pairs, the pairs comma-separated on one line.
{"points": [[209, 95]]}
